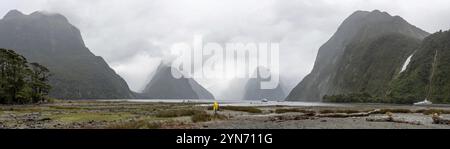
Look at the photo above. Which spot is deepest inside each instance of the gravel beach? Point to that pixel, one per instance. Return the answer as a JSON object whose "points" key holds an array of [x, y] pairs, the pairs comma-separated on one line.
{"points": [[160, 115]]}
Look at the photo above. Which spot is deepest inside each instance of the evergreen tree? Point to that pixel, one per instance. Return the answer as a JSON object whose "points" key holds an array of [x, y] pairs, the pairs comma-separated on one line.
{"points": [[39, 79], [20, 84]]}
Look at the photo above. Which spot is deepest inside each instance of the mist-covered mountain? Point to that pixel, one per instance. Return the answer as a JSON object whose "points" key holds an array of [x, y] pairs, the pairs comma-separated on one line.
{"points": [[253, 89], [52, 41], [363, 56], [234, 90], [428, 73], [164, 86]]}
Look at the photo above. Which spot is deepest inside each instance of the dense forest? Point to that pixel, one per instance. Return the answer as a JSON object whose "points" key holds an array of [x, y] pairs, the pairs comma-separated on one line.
{"points": [[426, 77], [363, 56], [21, 82], [428, 73]]}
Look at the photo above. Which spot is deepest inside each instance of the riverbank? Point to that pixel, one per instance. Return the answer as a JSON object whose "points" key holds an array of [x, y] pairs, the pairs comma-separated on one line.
{"points": [[198, 115]]}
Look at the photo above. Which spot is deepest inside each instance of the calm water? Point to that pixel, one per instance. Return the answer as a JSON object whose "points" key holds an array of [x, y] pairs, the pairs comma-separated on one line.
{"points": [[233, 102]]}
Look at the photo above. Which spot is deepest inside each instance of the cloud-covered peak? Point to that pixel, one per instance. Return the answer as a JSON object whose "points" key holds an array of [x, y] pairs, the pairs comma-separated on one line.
{"points": [[13, 14], [49, 15]]}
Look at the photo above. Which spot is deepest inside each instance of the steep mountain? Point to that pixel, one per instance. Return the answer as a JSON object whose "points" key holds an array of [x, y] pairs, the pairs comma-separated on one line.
{"points": [[164, 86], [52, 41], [428, 73], [363, 56], [253, 89]]}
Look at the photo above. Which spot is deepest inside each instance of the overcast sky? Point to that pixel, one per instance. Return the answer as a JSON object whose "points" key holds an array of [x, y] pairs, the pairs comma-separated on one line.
{"points": [[133, 35]]}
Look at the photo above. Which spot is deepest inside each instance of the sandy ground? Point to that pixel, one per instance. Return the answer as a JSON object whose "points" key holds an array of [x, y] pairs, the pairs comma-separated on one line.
{"points": [[131, 115]]}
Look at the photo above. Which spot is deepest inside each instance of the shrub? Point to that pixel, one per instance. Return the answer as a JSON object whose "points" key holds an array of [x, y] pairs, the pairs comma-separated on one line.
{"points": [[432, 111], [242, 109], [141, 124], [326, 111], [201, 117], [204, 117], [384, 111], [177, 113], [292, 110]]}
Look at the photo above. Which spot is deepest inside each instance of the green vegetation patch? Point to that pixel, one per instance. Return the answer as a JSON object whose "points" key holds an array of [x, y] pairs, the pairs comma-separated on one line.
{"points": [[66, 107], [82, 117], [347, 111], [279, 111], [384, 111], [27, 109], [432, 111], [204, 117], [177, 112], [140, 124], [242, 109]]}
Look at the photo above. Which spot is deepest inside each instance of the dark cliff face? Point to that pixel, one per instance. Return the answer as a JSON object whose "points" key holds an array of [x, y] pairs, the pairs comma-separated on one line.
{"points": [[427, 75], [164, 86], [51, 40], [366, 42]]}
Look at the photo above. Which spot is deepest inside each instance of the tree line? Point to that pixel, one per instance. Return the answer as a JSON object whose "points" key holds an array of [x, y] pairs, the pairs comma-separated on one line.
{"points": [[22, 82]]}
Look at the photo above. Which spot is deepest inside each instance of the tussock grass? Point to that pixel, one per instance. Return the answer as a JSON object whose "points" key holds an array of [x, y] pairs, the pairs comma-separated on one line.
{"points": [[326, 111], [140, 124], [25, 109], [292, 110], [86, 116], [345, 111], [432, 111], [349, 111], [66, 107], [242, 109], [204, 117], [177, 113], [384, 111]]}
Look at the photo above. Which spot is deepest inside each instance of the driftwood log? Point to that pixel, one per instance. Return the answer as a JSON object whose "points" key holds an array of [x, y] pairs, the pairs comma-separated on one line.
{"points": [[437, 119], [390, 118], [290, 117], [345, 115], [313, 115]]}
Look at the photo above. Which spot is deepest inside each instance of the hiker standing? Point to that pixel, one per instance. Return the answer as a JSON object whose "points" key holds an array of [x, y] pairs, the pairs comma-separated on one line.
{"points": [[215, 107]]}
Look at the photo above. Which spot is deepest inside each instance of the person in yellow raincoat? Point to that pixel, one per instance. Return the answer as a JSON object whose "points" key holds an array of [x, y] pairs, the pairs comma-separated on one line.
{"points": [[215, 107]]}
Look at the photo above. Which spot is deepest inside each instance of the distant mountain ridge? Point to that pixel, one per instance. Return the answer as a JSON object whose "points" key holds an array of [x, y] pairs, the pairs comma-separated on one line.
{"points": [[164, 86], [253, 89], [52, 41], [363, 56]]}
